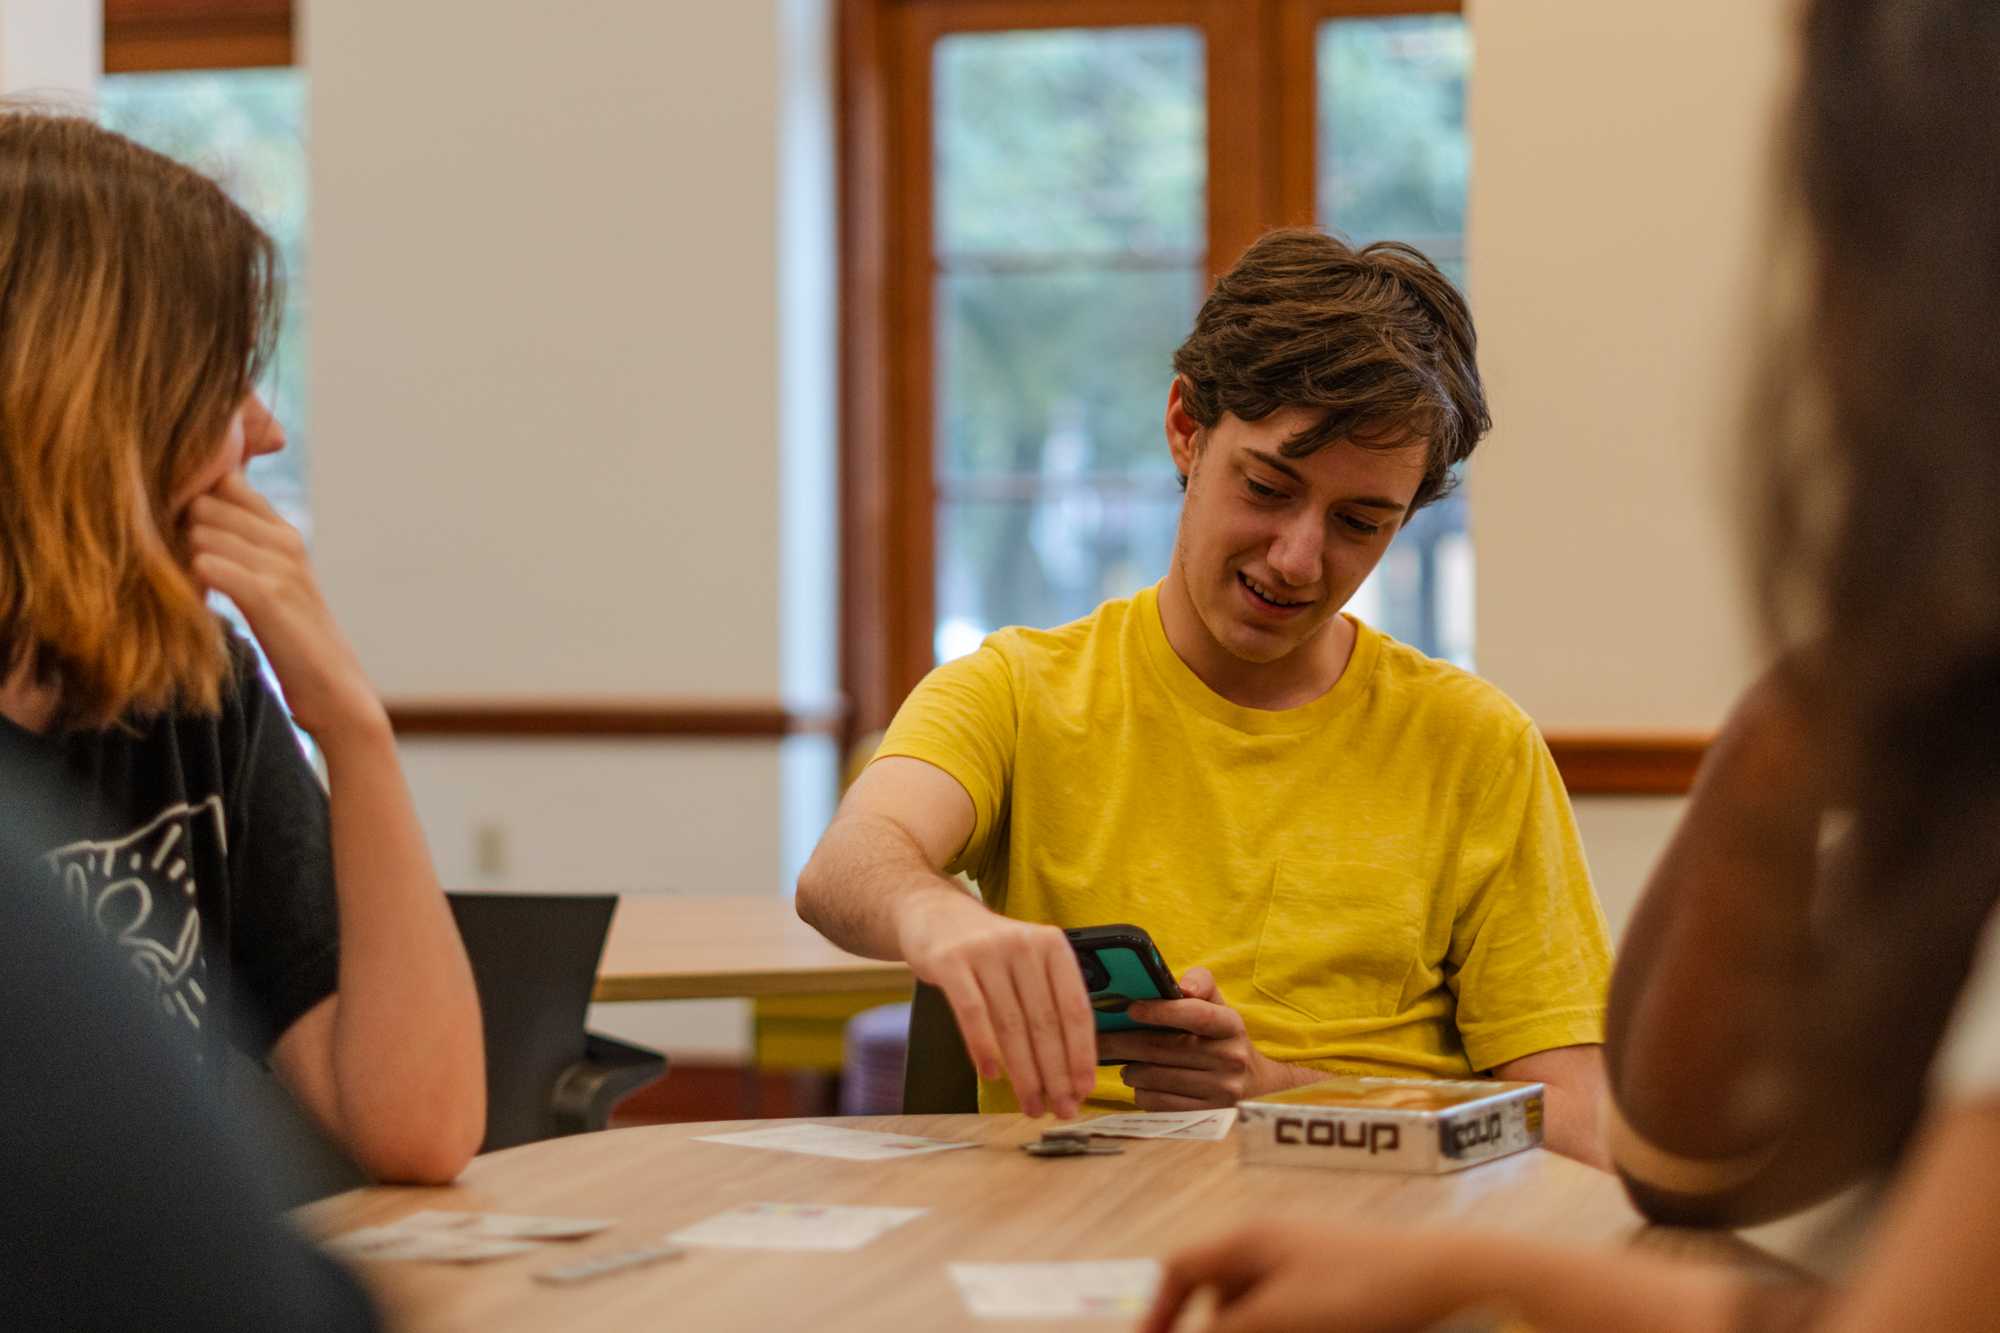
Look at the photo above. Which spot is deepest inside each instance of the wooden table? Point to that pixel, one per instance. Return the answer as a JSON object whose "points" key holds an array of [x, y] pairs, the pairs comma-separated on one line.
{"points": [[991, 1203], [665, 947]]}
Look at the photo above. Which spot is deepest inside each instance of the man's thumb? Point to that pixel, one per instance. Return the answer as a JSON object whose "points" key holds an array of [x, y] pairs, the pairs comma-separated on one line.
{"points": [[1198, 983]]}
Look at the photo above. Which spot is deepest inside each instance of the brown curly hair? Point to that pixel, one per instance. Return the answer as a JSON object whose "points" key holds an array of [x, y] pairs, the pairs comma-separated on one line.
{"points": [[1377, 338]]}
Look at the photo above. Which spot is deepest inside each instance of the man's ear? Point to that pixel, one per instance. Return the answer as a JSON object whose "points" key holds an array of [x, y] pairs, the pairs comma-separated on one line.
{"points": [[1183, 432]]}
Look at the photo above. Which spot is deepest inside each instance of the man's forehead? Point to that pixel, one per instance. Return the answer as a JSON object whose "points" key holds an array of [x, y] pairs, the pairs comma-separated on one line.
{"points": [[1297, 431], [1385, 469]]}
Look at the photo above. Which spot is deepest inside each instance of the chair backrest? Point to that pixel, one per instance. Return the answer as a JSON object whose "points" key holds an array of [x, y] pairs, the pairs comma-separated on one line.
{"points": [[534, 960], [939, 1078]]}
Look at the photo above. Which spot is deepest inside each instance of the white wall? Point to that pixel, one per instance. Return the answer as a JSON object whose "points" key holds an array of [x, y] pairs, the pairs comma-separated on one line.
{"points": [[51, 47], [546, 344], [554, 328], [1620, 156]]}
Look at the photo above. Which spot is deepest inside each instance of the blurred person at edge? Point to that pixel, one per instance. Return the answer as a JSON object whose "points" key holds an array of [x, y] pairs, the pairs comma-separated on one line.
{"points": [[1808, 999], [133, 1200], [302, 924]]}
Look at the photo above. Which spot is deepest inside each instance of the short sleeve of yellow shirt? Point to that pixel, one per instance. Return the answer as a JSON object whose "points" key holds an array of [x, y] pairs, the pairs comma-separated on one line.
{"points": [[1387, 879]]}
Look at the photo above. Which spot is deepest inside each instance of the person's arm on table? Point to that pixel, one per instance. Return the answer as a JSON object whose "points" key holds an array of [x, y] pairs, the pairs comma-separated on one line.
{"points": [[1935, 1265], [1573, 1079], [1283, 1277], [875, 886], [393, 1063]]}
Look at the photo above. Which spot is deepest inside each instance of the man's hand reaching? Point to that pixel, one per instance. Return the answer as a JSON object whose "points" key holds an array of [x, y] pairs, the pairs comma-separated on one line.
{"points": [[1018, 995]]}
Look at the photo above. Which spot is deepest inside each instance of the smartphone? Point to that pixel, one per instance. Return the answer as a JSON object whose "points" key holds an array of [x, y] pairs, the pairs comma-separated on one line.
{"points": [[1121, 965]]}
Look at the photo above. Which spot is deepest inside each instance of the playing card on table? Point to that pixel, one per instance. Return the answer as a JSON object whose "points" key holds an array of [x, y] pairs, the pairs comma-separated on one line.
{"points": [[398, 1242], [507, 1226], [1114, 1288], [1199, 1125], [795, 1226], [827, 1141]]}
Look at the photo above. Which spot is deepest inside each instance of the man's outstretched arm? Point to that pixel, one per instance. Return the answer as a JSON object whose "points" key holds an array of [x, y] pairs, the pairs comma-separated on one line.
{"points": [[875, 885]]}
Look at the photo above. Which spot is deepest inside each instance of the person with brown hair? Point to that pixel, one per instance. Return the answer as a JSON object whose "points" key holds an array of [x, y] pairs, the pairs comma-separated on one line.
{"points": [[137, 308], [1363, 859], [1808, 998]]}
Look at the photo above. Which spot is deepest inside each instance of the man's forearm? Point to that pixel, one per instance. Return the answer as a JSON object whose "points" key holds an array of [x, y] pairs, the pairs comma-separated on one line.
{"points": [[867, 877], [1573, 1126], [1572, 1079]]}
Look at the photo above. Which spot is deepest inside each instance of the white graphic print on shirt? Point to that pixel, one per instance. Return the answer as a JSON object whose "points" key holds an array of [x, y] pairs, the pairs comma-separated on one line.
{"points": [[140, 891]]}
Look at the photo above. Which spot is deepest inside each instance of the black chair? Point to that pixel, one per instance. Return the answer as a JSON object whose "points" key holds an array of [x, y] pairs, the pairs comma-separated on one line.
{"points": [[534, 961], [939, 1078]]}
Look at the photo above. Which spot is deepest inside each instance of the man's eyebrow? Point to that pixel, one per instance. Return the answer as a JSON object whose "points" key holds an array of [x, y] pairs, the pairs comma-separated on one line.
{"points": [[1277, 463]]}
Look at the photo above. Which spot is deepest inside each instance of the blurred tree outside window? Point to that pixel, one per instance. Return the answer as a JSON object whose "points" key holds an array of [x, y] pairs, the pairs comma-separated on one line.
{"points": [[245, 128], [1070, 252], [1392, 166], [1068, 255]]}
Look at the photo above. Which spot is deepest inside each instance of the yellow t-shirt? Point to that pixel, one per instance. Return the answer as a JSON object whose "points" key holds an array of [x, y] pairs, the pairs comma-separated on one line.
{"points": [[1387, 879]]}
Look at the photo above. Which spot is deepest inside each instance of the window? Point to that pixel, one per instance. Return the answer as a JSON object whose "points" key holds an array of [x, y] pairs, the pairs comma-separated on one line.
{"points": [[1038, 195], [246, 128], [1070, 256], [1391, 166]]}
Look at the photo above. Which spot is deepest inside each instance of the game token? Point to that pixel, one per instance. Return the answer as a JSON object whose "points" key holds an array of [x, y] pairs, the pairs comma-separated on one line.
{"points": [[1069, 1143], [602, 1265]]}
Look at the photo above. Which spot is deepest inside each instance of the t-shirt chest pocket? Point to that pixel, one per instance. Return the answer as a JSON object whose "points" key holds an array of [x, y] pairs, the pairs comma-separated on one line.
{"points": [[1340, 938]]}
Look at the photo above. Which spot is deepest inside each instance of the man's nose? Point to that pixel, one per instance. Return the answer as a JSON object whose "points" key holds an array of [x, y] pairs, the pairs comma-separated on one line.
{"points": [[1295, 554]]}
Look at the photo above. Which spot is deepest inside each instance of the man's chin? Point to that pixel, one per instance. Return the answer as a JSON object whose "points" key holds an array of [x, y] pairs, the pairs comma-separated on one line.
{"points": [[1261, 646]]}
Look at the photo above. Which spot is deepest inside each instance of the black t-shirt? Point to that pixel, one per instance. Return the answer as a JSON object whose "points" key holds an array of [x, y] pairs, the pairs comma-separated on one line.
{"points": [[201, 847]]}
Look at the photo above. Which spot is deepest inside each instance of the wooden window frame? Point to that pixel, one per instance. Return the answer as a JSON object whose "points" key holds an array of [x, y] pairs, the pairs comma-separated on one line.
{"points": [[1262, 169], [155, 36], [1263, 172]]}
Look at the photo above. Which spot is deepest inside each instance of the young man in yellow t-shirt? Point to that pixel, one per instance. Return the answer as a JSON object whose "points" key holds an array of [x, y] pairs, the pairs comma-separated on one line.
{"points": [[1363, 858]]}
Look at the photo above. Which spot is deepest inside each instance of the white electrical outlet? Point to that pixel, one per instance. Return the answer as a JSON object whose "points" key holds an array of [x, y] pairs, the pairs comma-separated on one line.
{"points": [[489, 849]]}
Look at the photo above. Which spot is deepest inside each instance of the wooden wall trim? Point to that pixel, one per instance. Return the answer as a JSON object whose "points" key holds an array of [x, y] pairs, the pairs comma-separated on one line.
{"points": [[142, 36], [1592, 763], [635, 719], [1627, 763]]}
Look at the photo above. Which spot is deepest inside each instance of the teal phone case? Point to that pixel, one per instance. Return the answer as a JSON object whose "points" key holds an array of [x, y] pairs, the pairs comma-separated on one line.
{"points": [[1129, 980]]}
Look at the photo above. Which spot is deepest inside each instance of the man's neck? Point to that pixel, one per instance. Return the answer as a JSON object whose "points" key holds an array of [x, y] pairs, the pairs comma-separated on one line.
{"points": [[1292, 681], [27, 705]]}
